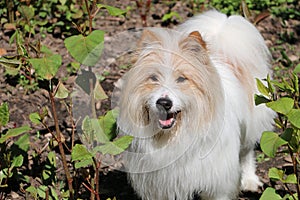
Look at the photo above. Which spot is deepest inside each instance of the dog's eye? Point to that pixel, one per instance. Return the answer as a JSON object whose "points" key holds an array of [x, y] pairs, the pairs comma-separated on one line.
{"points": [[180, 79], [153, 78]]}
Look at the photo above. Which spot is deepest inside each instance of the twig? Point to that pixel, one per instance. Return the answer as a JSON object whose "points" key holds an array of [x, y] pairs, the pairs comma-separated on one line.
{"points": [[60, 144]]}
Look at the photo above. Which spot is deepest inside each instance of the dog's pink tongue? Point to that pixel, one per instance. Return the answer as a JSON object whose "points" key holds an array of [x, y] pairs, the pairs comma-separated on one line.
{"points": [[167, 122]]}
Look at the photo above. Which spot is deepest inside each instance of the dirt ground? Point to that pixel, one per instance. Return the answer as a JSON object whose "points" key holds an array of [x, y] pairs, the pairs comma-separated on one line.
{"points": [[21, 104]]}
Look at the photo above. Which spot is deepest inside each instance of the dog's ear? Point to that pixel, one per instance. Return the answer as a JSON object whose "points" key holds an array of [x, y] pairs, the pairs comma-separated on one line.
{"points": [[194, 42], [197, 36], [147, 38]]}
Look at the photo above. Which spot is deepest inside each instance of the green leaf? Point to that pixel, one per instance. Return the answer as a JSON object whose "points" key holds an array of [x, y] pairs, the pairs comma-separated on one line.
{"points": [[79, 152], [52, 158], [26, 11], [33, 191], [123, 142], [276, 174], [86, 50], [46, 67], [108, 124], [259, 99], [297, 69], [23, 142], [287, 134], [270, 142], [61, 92], [14, 132], [35, 118], [283, 105], [262, 88], [4, 114], [294, 117], [93, 131], [291, 178], [116, 147], [170, 15], [17, 161], [270, 193], [99, 93], [84, 163], [113, 11]]}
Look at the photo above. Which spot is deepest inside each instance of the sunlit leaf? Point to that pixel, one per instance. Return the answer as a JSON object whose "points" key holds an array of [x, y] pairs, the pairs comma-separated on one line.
{"points": [[86, 49], [270, 142], [282, 105], [4, 114], [262, 88], [116, 147], [294, 117], [14, 132], [270, 193], [61, 92], [35, 118], [80, 152], [46, 67], [113, 11]]}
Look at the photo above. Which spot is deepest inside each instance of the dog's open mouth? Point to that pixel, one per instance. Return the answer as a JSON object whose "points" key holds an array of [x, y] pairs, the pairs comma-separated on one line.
{"points": [[167, 119]]}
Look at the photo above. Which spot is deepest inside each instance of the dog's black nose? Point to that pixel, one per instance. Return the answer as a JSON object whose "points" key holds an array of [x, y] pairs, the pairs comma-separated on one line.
{"points": [[165, 103]]}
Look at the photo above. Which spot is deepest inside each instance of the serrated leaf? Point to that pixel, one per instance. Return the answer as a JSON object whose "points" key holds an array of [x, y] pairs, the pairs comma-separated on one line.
{"points": [[80, 152], [113, 11], [282, 105], [294, 117], [4, 114], [61, 92], [35, 118], [46, 67], [270, 193], [14, 132], [86, 50], [270, 142], [262, 88]]}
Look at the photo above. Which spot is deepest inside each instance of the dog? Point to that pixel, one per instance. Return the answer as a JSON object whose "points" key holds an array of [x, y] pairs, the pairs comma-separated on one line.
{"points": [[188, 100]]}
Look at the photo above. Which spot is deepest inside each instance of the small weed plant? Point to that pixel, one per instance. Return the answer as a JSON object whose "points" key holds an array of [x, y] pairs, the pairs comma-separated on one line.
{"points": [[35, 63], [282, 97]]}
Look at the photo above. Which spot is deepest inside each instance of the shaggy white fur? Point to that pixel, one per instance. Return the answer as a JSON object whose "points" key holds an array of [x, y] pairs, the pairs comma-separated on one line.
{"points": [[189, 102]]}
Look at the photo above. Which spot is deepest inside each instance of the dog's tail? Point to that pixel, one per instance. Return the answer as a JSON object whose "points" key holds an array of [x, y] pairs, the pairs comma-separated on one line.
{"points": [[233, 38]]}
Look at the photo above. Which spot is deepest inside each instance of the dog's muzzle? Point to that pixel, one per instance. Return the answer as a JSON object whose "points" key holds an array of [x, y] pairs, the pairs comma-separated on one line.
{"points": [[167, 118]]}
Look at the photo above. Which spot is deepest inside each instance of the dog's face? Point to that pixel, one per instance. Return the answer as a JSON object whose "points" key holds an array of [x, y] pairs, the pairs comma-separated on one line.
{"points": [[172, 83]]}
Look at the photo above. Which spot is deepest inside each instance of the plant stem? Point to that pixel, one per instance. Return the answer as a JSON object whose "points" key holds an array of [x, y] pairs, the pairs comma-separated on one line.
{"points": [[295, 169], [90, 16], [60, 143]]}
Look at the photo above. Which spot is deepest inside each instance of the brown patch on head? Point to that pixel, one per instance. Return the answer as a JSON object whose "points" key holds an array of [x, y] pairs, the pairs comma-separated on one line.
{"points": [[197, 36]]}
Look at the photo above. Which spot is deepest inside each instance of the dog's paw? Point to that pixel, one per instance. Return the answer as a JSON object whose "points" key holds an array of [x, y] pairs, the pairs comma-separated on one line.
{"points": [[251, 183]]}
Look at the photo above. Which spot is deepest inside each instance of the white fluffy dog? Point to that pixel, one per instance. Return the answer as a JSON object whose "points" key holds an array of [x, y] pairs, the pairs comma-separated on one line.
{"points": [[189, 102]]}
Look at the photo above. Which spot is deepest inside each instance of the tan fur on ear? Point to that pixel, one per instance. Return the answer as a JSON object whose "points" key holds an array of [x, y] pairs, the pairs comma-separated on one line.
{"points": [[196, 35], [147, 38]]}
